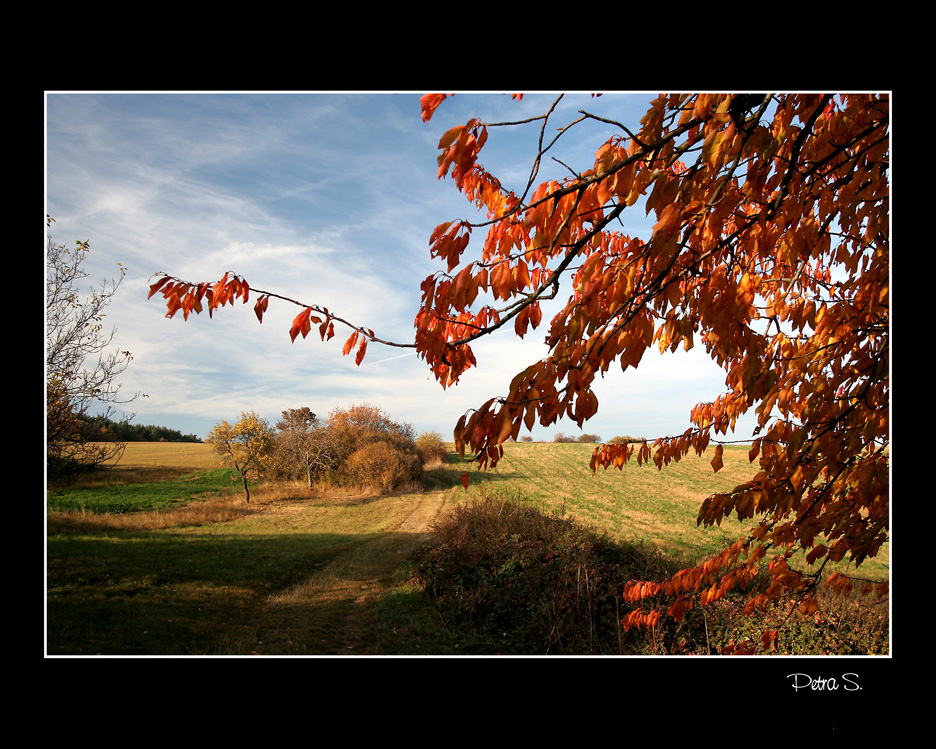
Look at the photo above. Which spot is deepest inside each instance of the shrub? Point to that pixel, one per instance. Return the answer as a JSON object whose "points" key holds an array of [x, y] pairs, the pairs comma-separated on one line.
{"points": [[529, 582], [507, 578], [431, 448], [620, 439], [366, 448], [846, 624], [589, 438], [382, 467]]}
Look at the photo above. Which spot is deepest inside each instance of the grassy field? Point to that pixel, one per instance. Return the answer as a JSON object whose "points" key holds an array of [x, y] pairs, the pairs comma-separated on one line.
{"points": [[162, 556], [633, 504]]}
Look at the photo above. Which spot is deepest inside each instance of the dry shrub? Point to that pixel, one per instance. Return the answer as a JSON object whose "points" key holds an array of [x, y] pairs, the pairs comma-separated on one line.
{"points": [[516, 580], [431, 448], [382, 467], [619, 439], [370, 451], [527, 581], [846, 624]]}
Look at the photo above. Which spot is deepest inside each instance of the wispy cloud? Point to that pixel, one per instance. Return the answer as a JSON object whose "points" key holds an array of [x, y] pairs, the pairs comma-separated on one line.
{"points": [[327, 199]]}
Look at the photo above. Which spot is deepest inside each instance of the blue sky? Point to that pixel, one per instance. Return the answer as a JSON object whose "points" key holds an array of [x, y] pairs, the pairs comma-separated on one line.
{"points": [[328, 198]]}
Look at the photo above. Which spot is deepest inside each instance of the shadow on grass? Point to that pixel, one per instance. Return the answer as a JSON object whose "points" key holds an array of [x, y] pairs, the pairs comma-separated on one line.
{"points": [[144, 494], [146, 593], [449, 476]]}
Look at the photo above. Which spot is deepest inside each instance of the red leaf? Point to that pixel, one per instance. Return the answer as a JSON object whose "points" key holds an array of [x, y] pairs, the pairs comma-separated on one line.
{"points": [[428, 104], [157, 286], [261, 306], [300, 324], [464, 480], [349, 344], [360, 352]]}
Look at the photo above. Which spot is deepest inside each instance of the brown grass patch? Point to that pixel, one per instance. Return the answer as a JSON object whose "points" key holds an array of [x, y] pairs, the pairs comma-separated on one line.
{"points": [[203, 512], [185, 455]]}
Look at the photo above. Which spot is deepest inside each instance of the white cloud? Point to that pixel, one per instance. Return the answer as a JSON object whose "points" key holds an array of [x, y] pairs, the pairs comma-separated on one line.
{"points": [[325, 199]]}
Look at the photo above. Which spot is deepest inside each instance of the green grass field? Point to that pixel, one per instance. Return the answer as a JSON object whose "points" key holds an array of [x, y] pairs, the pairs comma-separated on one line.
{"points": [[634, 503], [163, 556]]}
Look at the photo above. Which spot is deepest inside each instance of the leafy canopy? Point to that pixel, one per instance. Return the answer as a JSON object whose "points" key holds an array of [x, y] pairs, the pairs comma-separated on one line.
{"points": [[245, 445], [769, 248]]}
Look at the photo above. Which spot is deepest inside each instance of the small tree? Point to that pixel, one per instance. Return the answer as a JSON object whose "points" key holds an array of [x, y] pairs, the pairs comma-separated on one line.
{"points": [[305, 442], [79, 370], [245, 446]]}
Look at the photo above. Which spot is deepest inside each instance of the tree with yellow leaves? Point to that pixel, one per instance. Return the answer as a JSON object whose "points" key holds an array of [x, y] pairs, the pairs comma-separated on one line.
{"points": [[244, 446]]}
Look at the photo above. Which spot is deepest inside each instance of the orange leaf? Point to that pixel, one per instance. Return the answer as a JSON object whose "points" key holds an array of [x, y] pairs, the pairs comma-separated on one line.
{"points": [[300, 324], [717, 460], [360, 352], [670, 219], [428, 104], [349, 344], [769, 639], [464, 480], [157, 286], [438, 232], [755, 449], [796, 478], [261, 306]]}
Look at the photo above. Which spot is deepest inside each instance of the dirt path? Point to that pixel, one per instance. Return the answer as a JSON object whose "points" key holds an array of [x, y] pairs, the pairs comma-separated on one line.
{"points": [[369, 569], [332, 612]]}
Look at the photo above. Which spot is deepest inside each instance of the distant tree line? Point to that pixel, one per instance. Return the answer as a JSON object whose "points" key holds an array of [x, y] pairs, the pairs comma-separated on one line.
{"points": [[123, 431], [560, 437]]}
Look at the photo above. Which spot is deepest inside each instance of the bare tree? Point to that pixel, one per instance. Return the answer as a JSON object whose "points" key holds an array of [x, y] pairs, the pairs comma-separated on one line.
{"points": [[307, 442], [81, 370]]}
